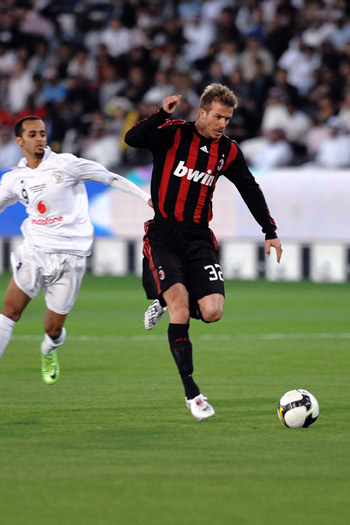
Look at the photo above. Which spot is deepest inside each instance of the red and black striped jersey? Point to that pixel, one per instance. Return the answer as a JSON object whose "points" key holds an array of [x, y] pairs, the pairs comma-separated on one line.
{"points": [[186, 167]]}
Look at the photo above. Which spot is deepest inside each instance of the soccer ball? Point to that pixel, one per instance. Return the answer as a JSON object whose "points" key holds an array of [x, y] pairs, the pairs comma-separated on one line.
{"points": [[298, 408]]}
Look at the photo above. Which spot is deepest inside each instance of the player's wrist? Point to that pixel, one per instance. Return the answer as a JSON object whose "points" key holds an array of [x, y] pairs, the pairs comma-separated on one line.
{"points": [[270, 236]]}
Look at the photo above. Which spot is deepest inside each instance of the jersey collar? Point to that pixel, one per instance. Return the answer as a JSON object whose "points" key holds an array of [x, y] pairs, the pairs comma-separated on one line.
{"points": [[23, 162]]}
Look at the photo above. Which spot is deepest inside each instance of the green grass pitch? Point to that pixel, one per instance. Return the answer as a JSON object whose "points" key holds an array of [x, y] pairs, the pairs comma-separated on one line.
{"points": [[112, 442]]}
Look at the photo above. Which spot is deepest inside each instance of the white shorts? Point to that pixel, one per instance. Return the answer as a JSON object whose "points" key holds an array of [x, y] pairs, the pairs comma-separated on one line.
{"points": [[59, 275]]}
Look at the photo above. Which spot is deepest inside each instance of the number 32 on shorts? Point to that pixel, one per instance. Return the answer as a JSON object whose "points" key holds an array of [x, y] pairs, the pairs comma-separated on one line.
{"points": [[215, 272]]}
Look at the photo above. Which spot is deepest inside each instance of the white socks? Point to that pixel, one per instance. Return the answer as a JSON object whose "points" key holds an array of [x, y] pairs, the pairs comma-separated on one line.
{"points": [[49, 344], [6, 328]]}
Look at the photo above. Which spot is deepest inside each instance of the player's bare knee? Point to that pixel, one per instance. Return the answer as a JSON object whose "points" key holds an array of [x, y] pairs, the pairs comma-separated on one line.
{"points": [[12, 312], [211, 314]]}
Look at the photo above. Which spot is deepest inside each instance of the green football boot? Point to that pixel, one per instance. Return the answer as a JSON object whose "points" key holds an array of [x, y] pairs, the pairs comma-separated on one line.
{"points": [[50, 368]]}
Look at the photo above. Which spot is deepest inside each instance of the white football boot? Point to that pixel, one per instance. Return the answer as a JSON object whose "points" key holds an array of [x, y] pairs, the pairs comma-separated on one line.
{"points": [[153, 314], [200, 408]]}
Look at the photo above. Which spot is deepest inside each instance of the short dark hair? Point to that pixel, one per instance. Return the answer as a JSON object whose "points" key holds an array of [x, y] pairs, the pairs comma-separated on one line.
{"points": [[19, 124], [220, 93]]}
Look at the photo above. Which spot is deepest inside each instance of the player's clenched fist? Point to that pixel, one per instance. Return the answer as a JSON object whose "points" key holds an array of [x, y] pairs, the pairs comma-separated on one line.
{"points": [[170, 103]]}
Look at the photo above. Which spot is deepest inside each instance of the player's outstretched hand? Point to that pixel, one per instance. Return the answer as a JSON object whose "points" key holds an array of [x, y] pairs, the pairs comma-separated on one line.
{"points": [[171, 103], [275, 243]]}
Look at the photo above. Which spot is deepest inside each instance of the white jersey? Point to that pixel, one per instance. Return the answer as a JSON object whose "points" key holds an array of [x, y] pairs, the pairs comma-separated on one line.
{"points": [[56, 201]]}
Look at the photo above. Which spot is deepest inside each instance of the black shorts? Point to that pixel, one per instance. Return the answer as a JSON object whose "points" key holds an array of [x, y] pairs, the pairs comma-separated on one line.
{"points": [[180, 254]]}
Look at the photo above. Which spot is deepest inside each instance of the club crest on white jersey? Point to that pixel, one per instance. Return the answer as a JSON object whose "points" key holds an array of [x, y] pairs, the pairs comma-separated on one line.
{"points": [[57, 177]]}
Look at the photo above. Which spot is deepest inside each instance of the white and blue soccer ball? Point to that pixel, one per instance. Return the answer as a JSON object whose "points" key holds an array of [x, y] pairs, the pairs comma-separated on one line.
{"points": [[298, 408]]}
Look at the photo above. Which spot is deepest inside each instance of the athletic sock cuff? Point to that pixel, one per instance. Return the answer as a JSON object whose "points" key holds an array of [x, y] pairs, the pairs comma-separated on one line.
{"points": [[178, 332], [7, 321]]}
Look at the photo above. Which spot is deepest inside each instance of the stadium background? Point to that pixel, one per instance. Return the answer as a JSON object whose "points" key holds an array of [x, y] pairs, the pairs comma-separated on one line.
{"points": [[93, 68], [112, 442]]}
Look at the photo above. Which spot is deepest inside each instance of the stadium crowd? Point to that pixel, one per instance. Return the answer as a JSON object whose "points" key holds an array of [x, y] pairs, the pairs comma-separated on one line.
{"points": [[92, 68]]}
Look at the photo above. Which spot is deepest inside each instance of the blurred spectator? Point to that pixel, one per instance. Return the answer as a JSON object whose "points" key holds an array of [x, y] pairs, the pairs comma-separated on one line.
{"points": [[255, 51], [92, 37], [81, 98], [54, 89], [171, 57], [240, 87], [186, 111], [20, 87], [63, 56], [335, 151], [7, 59], [259, 85], [327, 83], [276, 37], [31, 22], [286, 89], [112, 83], [287, 11], [228, 56], [10, 152], [117, 110], [340, 33], [275, 110], [189, 9], [245, 18], [116, 37], [325, 108], [212, 9], [184, 85], [8, 28], [100, 144], [296, 126], [214, 74], [300, 62], [318, 30], [274, 152], [225, 26], [315, 138], [243, 125], [4, 95], [82, 65], [160, 89], [41, 58], [198, 35], [137, 84]]}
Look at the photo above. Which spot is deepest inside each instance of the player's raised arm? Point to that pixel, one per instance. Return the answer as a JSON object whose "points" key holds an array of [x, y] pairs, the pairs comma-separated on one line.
{"points": [[170, 103]]}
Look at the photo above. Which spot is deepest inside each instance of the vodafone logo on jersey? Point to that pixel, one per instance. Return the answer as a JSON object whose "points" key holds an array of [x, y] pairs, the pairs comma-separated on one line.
{"points": [[47, 221], [42, 208], [197, 176]]}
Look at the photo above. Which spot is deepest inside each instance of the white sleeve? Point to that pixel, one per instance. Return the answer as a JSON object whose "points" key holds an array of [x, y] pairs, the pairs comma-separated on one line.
{"points": [[123, 184], [6, 197], [90, 170]]}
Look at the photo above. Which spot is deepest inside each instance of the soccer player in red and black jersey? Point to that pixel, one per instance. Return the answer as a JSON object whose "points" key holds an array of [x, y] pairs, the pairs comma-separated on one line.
{"points": [[181, 268]]}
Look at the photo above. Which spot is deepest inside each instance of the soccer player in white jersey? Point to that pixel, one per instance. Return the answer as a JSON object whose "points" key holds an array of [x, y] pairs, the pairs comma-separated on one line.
{"points": [[58, 234]]}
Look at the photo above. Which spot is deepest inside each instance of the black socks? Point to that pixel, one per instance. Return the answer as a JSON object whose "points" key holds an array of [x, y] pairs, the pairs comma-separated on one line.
{"points": [[181, 348]]}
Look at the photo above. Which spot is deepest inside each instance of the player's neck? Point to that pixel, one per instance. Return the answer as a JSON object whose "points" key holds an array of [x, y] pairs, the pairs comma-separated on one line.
{"points": [[33, 162], [199, 128]]}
